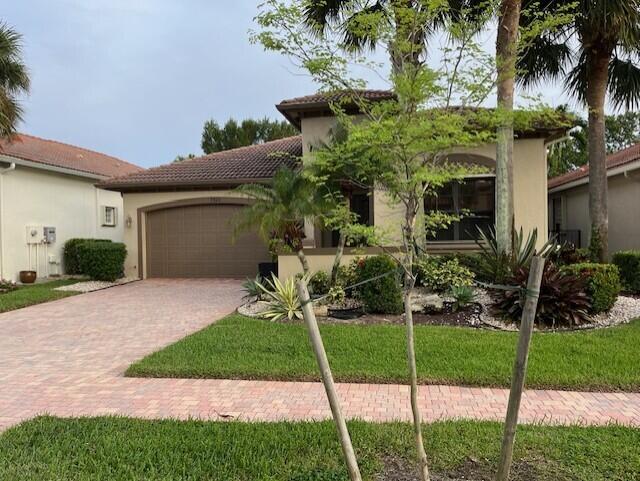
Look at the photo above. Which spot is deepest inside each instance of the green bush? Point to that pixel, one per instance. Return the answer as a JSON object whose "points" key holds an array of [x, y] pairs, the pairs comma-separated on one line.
{"points": [[71, 255], [102, 261], [384, 295], [603, 283], [319, 283], [628, 263], [442, 274]]}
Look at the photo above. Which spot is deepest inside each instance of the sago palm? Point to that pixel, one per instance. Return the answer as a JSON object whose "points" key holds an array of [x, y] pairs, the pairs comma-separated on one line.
{"points": [[597, 55], [278, 210], [14, 80]]}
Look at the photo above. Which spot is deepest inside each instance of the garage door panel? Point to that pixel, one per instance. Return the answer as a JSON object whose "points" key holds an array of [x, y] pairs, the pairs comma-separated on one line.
{"points": [[196, 241]]}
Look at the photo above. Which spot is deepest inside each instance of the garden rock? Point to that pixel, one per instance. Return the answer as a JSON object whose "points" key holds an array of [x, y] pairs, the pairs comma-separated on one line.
{"points": [[423, 300], [253, 308]]}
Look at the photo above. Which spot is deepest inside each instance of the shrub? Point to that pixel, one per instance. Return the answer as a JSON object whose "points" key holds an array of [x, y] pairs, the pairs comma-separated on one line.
{"points": [[102, 261], [568, 254], [442, 274], [603, 283], [319, 283], [383, 295], [563, 300], [71, 255], [628, 263]]}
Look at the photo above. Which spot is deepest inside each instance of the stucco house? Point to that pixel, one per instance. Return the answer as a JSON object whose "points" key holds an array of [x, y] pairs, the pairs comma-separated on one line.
{"points": [[179, 216], [47, 196], [569, 202]]}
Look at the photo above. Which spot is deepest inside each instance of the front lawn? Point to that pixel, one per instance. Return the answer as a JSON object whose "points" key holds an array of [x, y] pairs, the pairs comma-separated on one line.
{"points": [[238, 347], [121, 449], [29, 295]]}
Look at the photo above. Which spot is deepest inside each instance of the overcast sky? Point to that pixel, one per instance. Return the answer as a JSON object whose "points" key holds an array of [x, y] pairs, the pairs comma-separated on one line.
{"points": [[137, 78]]}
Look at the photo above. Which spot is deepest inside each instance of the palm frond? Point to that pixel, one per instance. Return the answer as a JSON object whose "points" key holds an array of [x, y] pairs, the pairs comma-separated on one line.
{"points": [[624, 83], [543, 59], [575, 83]]}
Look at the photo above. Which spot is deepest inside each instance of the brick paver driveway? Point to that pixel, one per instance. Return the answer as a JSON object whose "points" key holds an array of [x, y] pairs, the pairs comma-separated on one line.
{"points": [[68, 357]]}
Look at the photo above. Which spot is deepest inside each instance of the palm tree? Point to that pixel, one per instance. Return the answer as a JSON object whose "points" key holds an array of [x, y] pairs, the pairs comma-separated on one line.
{"points": [[14, 80], [412, 49], [506, 57], [597, 54], [279, 210]]}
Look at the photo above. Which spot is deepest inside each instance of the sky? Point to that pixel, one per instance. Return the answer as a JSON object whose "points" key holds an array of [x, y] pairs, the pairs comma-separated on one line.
{"points": [[137, 79]]}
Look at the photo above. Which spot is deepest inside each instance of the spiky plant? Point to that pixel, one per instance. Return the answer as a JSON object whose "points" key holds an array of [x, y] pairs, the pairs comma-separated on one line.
{"points": [[14, 80], [563, 299], [283, 299]]}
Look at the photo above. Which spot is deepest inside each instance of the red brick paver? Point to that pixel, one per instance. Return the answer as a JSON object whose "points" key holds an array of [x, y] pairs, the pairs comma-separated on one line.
{"points": [[67, 358]]}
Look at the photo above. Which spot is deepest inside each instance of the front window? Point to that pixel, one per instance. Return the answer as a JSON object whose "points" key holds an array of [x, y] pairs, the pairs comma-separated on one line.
{"points": [[474, 199]]}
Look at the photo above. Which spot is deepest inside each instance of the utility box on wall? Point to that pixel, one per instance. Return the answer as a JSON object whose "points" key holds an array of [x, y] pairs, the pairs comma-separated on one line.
{"points": [[35, 234], [49, 235]]}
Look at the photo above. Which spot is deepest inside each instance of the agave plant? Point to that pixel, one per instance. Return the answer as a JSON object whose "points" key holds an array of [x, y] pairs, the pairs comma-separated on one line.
{"points": [[252, 287], [495, 265], [563, 299], [283, 299]]}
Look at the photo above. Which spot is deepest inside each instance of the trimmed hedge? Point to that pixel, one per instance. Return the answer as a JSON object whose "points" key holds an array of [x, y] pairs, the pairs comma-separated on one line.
{"points": [[603, 283], [72, 257], [384, 295], [102, 261], [628, 263]]}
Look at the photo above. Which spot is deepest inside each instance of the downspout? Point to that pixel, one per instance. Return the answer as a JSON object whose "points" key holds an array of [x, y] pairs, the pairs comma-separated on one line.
{"points": [[6, 170]]}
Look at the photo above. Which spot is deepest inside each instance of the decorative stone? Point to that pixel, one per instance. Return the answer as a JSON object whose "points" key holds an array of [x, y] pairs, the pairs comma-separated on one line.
{"points": [[423, 300]]}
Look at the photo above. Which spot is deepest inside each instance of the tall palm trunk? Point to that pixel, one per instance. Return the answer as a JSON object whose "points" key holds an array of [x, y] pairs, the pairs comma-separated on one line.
{"points": [[598, 58], [409, 282], [506, 51]]}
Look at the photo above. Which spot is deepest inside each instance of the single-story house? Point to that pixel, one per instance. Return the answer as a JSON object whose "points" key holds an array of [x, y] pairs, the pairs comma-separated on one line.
{"points": [[179, 216], [569, 202], [47, 196]]}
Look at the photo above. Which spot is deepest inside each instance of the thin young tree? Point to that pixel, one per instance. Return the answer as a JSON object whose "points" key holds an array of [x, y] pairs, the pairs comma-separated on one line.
{"points": [[597, 55], [14, 80]]}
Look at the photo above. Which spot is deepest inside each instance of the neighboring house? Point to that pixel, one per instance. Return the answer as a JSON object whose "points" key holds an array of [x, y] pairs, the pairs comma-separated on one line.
{"points": [[48, 184], [180, 215], [569, 202]]}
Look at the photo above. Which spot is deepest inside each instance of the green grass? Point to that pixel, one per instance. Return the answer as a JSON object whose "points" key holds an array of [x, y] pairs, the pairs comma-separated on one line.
{"points": [[34, 294], [119, 449], [241, 348]]}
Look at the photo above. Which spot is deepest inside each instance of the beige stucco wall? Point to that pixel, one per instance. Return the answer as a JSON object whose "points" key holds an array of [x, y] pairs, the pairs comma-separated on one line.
{"points": [[529, 181], [135, 201], [624, 212], [35, 197]]}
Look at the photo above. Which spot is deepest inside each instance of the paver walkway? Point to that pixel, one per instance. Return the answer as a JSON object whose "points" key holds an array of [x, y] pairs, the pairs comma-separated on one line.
{"points": [[67, 358]]}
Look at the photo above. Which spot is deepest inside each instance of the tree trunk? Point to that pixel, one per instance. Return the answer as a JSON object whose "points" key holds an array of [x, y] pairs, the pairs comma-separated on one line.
{"points": [[506, 51], [342, 240], [303, 260], [520, 368], [597, 80], [327, 380], [409, 281]]}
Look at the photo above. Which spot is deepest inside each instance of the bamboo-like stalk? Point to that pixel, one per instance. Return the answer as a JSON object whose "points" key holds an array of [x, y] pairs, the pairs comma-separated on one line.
{"points": [[520, 368], [327, 380]]}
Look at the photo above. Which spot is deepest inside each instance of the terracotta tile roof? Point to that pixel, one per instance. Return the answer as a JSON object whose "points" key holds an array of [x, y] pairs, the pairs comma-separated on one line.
{"points": [[230, 167], [57, 154], [616, 159], [323, 99]]}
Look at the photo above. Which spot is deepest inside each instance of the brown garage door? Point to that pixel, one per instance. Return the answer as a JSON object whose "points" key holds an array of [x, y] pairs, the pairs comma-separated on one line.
{"points": [[196, 241]]}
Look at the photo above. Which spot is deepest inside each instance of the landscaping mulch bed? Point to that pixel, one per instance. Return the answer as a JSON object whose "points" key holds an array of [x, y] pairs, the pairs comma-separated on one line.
{"points": [[468, 317]]}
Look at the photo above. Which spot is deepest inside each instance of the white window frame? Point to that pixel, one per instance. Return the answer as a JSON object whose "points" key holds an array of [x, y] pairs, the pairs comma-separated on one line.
{"points": [[106, 222]]}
